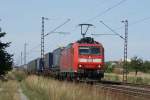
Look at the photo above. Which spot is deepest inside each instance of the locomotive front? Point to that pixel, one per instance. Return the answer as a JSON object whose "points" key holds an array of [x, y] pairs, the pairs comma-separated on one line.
{"points": [[90, 56], [82, 59], [90, 59]]}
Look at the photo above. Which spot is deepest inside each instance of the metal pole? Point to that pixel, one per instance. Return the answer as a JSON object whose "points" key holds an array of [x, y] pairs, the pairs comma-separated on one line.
{"points": [[125, 71], [21, 58], [25, 46], [42, 42], [125, 38], [82, 32]]}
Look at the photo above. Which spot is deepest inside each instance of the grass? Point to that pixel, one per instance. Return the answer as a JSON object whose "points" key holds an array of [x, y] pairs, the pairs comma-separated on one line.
{"points": [[111, 77], [0, 83], [40, 88], [48, 89], [9, 90], [19, 75], [139, 79]]}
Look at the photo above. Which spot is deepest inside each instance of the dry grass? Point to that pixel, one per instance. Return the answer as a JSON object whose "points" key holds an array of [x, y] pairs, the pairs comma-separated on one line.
{"points": [[0, 83], [39, 88], [141, 78], [139, 74], [19, 75], [54, 90], [112, 77], [9, 90]]}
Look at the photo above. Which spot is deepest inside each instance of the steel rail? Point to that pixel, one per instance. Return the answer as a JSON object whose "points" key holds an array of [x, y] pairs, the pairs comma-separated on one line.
{"points": [[129, 90]]}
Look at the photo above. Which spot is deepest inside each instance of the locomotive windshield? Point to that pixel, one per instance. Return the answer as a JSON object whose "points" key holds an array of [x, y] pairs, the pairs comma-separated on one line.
{"points": [[89, 50]]}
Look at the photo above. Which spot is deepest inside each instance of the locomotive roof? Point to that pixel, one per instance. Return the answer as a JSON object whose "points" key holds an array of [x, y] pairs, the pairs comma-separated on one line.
{"points": [[88, 40]]}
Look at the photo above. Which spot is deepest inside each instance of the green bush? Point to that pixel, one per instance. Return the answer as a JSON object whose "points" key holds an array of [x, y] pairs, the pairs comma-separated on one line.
{"points": [[109, 67]]}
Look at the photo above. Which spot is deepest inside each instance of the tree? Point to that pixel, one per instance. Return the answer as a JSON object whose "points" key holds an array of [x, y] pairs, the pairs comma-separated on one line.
{"points": [[109, 67], [136, 64], [5, 58], [146, 66]]}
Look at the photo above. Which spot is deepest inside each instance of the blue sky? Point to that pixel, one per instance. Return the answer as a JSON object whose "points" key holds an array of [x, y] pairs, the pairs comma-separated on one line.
{"points": [[21, 19]]}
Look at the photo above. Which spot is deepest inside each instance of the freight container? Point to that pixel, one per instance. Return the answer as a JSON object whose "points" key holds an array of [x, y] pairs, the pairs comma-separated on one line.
{"points": [[32, 66], [48, 59], [56, 57], [39, 65]]}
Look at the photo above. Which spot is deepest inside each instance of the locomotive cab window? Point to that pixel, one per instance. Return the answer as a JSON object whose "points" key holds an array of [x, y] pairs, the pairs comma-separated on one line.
{"points": [[89, 50], [84, 50], [95, 50]]}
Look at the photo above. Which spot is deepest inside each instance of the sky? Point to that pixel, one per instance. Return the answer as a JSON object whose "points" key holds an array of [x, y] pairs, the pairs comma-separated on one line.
{"points": [[21, 20]]}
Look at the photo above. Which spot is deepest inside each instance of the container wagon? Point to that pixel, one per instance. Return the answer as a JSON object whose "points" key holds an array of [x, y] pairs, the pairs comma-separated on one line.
{"points": [[32, 67], [48, 59]]}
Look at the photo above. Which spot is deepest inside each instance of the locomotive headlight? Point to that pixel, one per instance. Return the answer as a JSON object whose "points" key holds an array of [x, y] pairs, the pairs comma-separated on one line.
{"points": [[97, 60], [82, 60], [80, 66], [99, 66]]}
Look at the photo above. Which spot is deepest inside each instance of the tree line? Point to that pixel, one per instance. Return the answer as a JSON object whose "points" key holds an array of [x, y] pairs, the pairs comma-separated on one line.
{"points": [[136, 65]]}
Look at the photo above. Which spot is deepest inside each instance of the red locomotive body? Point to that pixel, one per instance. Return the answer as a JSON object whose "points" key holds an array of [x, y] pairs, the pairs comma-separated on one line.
{"points": [[82, 60]]}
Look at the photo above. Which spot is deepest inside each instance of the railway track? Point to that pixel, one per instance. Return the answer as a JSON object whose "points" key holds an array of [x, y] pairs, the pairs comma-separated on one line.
{"points": [[138, 85], [141, 91], [144, 86]]}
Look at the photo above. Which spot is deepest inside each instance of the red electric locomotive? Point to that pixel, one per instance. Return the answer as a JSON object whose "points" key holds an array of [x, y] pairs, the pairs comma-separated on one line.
{"points": [[82, 59]]}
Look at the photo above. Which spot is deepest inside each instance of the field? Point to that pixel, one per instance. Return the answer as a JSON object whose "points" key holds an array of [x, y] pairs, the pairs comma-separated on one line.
{"points": [[141, 78], [22, 87], [39, 88], [50, 89], [10, 89]]}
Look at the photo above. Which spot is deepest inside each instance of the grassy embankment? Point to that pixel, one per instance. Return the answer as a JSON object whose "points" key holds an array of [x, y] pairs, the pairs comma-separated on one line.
{"points": [[9, 89], [141, 78], [40, 88], [49, 89]]}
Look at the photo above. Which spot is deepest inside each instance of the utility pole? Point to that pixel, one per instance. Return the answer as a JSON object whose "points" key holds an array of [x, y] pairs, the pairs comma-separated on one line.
{"points": [[125, 51], [21, 58], [42, 41], [125, 38], [43, 35], [87, 27], [25, 54]]}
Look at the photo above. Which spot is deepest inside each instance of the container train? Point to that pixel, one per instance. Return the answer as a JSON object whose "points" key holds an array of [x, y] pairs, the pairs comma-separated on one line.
{"points": [[83, 59]]}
